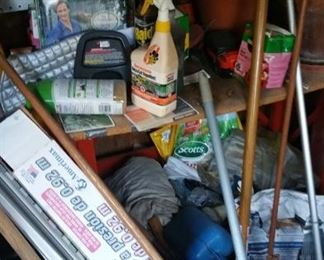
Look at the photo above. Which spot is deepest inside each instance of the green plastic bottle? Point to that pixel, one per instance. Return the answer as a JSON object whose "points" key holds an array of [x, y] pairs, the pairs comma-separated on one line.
{"points": [[81, 96]]}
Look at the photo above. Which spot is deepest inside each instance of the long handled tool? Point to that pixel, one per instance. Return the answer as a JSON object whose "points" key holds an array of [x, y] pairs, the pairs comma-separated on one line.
{"points": [[305, 143], [252, 113], [208, 103], [295, 80], [67, 144]]}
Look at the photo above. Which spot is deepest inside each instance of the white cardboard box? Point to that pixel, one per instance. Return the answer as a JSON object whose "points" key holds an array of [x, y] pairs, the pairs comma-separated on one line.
{"points": [[64, 192]]}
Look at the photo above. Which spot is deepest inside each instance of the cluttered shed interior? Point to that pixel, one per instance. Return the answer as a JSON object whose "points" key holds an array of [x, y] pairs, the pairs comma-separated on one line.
{"points": [[161, 129]]}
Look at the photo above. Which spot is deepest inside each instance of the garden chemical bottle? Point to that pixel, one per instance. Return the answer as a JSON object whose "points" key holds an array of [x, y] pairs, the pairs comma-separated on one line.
{"points": [[145, 17], [82, 96], [154, 69]]}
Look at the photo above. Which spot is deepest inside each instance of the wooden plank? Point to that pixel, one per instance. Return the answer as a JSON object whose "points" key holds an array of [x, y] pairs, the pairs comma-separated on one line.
{"points": [[229, 95], [123, 126], [280, 163], [252, 114], [16, 239]]}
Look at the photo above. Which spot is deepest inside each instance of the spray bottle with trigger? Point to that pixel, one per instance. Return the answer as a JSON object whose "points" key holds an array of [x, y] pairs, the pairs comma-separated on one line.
{"points": [[154, 69]]}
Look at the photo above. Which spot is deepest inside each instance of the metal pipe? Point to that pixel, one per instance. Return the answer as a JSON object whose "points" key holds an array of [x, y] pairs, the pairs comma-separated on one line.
{"points": [[305, 144], [285, 128], [252, 114], [209, 108]]}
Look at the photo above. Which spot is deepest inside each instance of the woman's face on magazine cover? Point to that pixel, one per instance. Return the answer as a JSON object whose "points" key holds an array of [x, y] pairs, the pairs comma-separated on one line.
{"points": [[63, 12]]}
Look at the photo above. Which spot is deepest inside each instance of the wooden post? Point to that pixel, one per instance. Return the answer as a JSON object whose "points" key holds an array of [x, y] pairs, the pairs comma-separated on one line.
{"points": [[17, 241], [285, 127], [72, 151], [252, 113]]}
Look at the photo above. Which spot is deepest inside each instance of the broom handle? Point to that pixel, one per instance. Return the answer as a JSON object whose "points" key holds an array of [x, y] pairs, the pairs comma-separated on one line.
{"points": [[252, 114], [305, 144], [69, 147], [285, 127], [209, 107]]}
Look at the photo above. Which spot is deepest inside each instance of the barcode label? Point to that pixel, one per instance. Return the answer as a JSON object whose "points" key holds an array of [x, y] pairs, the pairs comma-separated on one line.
{"points": [[105, 108], [72, 109], [89, 108], [75, 108]]}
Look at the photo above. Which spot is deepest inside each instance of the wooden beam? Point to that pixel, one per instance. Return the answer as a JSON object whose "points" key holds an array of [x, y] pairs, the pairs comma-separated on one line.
{"points": [[16, 240], [285, 127], [252, 113]]}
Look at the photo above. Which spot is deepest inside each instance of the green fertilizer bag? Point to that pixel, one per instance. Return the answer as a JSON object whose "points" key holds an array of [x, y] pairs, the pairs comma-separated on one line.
{"points": [[193, 142]]}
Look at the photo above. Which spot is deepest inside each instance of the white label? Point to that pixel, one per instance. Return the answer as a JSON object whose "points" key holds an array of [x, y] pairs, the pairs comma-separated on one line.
{"points": [[68, 196], [85, 97], [104, 44], [77, 207], [155, 76], [15, 147]]}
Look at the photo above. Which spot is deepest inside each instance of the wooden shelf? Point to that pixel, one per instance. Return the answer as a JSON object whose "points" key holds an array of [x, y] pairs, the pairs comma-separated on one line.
{"points": [[229, 96]]}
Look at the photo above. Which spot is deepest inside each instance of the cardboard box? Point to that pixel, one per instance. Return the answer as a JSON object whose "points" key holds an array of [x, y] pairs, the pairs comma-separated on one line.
{"points": [[62, 190]]}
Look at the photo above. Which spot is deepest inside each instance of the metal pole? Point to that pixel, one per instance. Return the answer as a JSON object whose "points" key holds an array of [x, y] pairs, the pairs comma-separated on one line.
{"points": [[283, 144], [252, 114], [208, 103], [305, 144]]}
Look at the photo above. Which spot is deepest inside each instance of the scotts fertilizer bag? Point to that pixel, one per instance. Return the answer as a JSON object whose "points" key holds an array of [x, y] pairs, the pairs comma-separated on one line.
{"points": [[192, 170], [278, 45], [193, 141]]}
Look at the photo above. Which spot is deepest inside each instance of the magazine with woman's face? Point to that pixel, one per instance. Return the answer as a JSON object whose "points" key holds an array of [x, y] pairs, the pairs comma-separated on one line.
{"points": [[61, 18]]}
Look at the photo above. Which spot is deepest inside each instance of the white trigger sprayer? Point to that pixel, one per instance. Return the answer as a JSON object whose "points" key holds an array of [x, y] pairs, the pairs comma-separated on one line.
{"points": [[155, 69], [164, 7]]}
